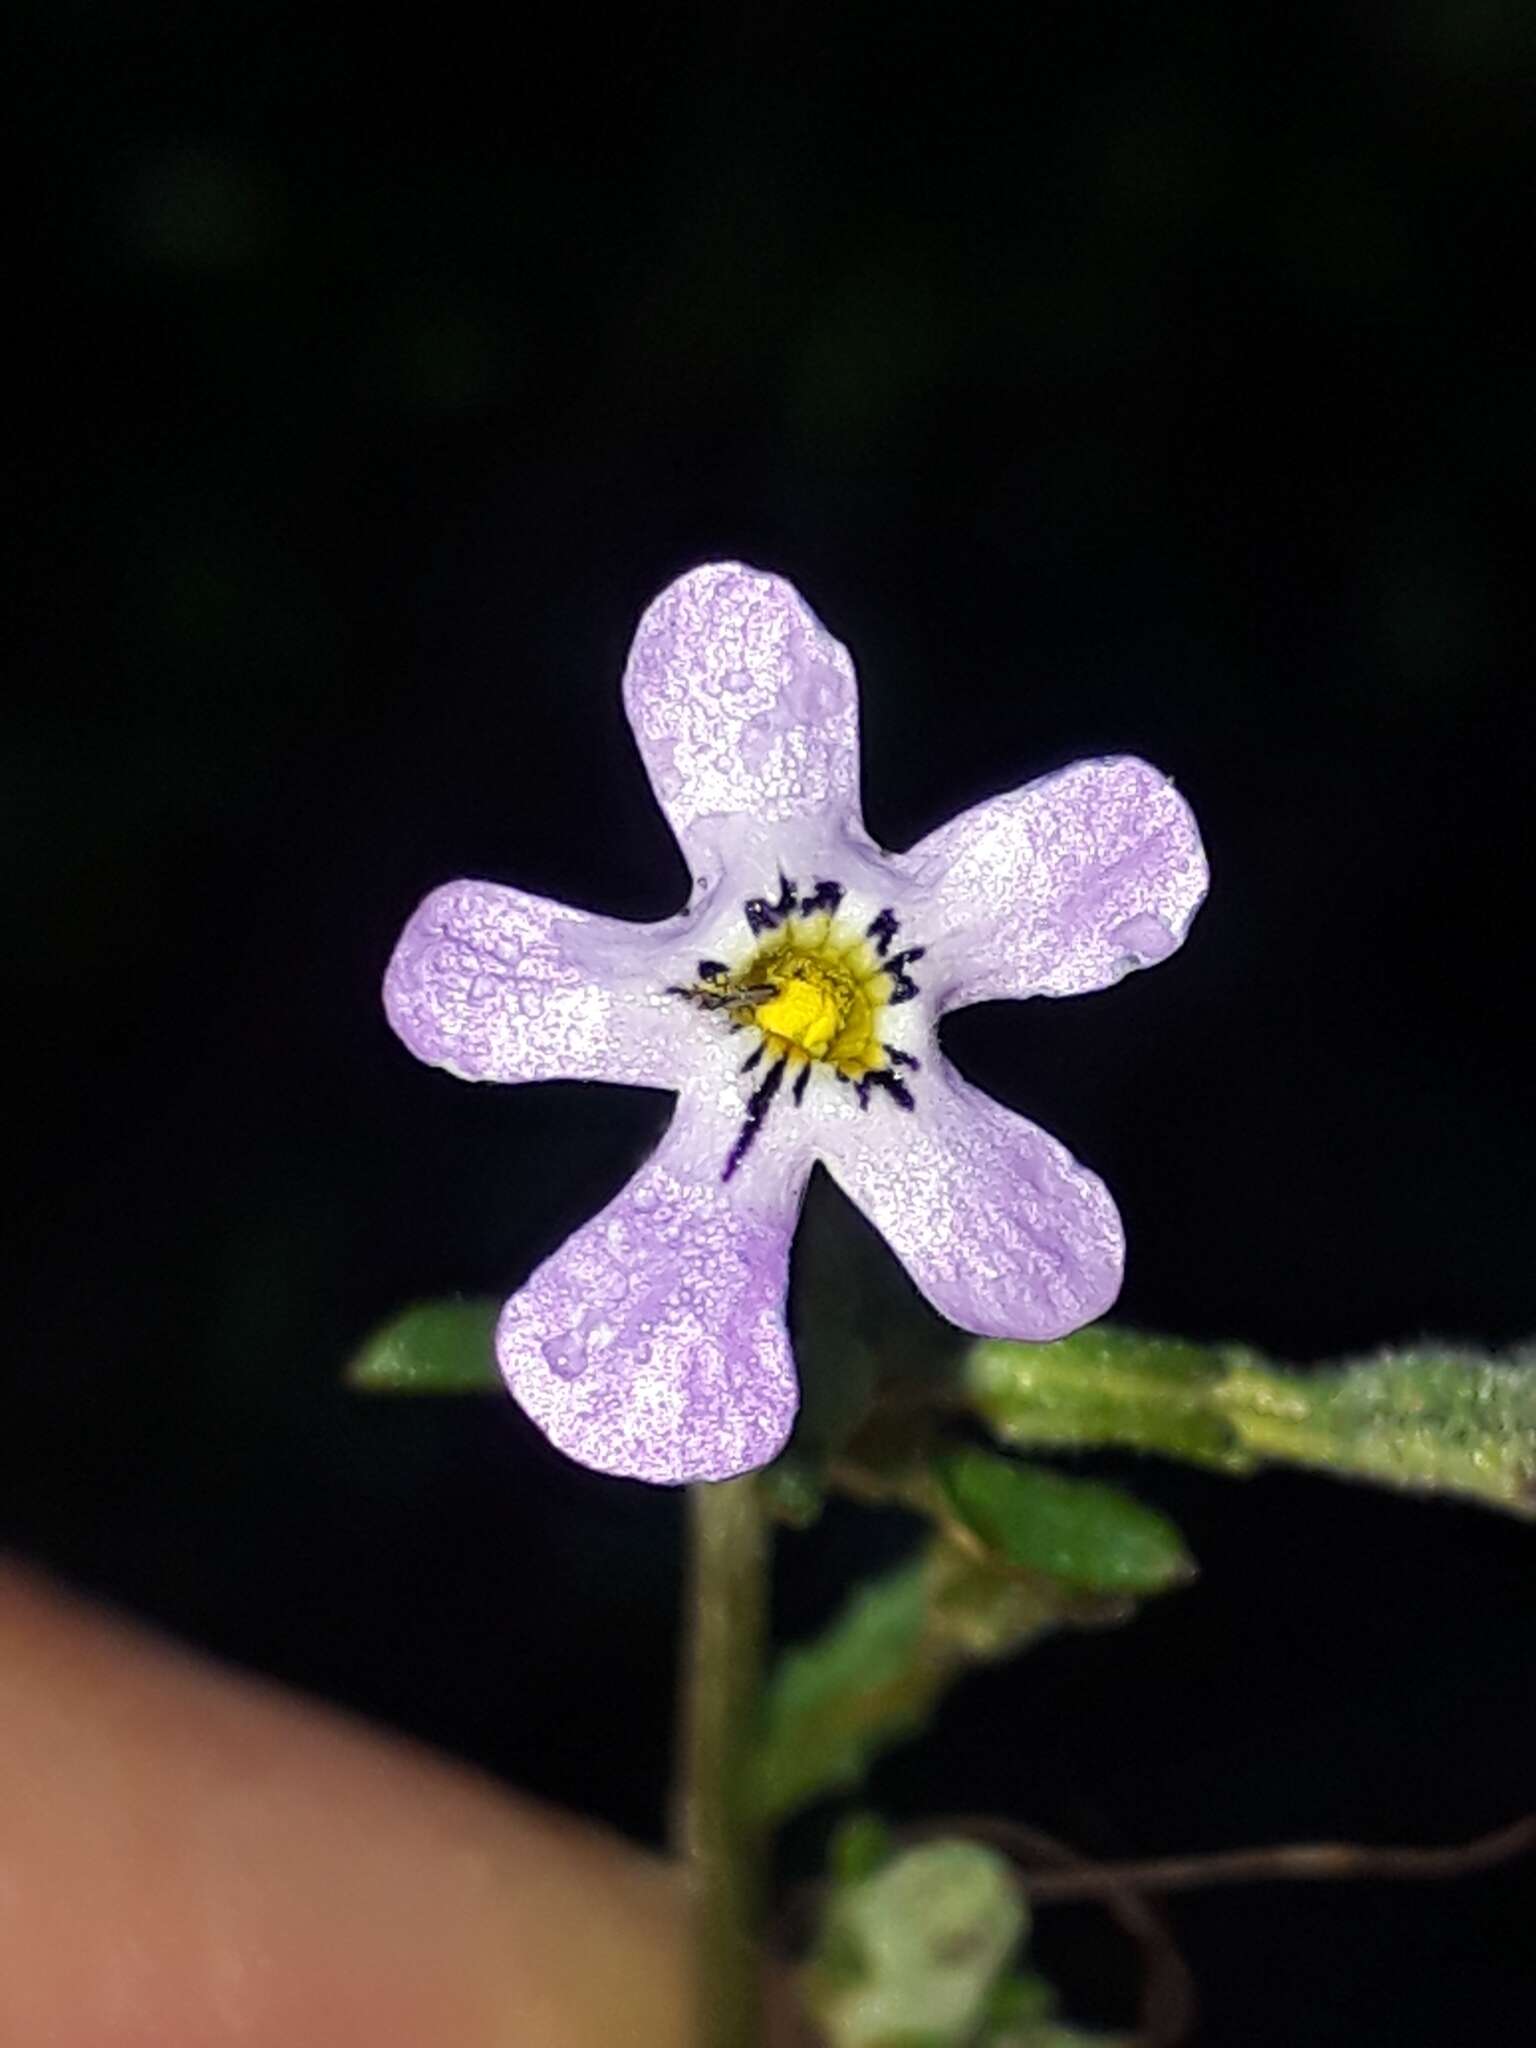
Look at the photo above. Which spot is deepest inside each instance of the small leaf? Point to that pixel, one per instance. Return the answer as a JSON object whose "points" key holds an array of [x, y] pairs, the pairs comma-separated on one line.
{"points": [[913, 1953], [1105, 1385], [437, 1347], [1433, 1419], [1077, 1531], [832, 1703]]}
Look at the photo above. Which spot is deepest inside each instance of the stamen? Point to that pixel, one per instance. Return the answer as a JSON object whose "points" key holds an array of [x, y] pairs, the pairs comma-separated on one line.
{"points": [[896, 967], [763, 916], [825, 896], [758, 1106], [811, 999], [892, 1084]]}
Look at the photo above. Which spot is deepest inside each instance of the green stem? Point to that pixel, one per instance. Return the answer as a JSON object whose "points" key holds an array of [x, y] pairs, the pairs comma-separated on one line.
{"points": [[722, 1847]]}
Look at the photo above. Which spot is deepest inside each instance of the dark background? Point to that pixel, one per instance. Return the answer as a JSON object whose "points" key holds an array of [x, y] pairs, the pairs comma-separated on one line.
{"points": [[1110, 378]]}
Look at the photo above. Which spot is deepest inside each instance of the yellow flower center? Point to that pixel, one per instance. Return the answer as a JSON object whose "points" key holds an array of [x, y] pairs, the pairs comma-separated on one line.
{"points": [[806, 1012], [814, 998], [814, 995]]}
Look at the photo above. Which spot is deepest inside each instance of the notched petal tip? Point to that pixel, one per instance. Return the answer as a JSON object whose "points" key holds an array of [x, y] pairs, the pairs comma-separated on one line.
{"points": [[741, 702], [1065, 885], [998, 1225], [491, 984], [429, 977]]}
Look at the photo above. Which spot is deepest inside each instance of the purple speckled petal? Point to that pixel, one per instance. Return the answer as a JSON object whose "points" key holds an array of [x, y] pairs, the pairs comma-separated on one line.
{"points": [[744, 707], [652, 1345], [498, 986], [1062, 886], [996, 1222]]}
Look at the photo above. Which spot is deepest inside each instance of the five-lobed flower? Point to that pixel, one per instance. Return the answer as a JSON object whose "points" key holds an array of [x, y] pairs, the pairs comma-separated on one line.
{"points": [[794, 1007]]}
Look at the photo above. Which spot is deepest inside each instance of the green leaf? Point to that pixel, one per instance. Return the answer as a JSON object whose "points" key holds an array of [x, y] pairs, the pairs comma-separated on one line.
{"points": [[1105, 1385], [1433, 1419], [1075, 1530], [438, 1347], [831, 1704], [911, 1955], [878, 1670], [1016, 1552]]}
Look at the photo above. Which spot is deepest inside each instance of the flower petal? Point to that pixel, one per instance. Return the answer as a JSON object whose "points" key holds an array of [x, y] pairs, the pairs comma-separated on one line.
{"points": [[744, 707], [498, 986], [995, 1221], [653, 1345], [1062, 886]]}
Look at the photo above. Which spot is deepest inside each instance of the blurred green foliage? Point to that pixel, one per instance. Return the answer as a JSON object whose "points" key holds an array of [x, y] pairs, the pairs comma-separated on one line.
{"points": [[1075, 1531], [920, 1948], [877, 1672], [1015, 1550], [1432, 1419], [437, 1347], [909, 1953]]}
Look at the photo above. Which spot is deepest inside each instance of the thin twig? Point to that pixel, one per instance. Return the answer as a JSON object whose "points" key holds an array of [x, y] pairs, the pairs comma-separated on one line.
{"points": [[1167, 2007], [1288, 1861]]}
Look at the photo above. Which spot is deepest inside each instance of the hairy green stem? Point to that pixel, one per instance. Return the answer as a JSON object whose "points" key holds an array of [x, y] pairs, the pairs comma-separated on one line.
{"points": [[721, 1845]]}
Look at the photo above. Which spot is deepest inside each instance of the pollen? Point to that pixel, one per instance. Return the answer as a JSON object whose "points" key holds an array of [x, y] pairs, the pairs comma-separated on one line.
{"points": [[816, 996], [813, 990], [807, 1013]]}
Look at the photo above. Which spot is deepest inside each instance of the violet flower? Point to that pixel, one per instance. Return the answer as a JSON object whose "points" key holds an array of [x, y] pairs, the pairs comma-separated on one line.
{"points": [[793, 1007]]}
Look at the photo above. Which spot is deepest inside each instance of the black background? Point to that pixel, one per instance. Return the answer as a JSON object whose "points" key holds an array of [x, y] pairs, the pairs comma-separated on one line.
{"points": [[1110, 378]]}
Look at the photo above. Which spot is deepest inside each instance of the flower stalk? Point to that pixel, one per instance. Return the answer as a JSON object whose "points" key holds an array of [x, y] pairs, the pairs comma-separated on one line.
{"points": [[722, 1847]]}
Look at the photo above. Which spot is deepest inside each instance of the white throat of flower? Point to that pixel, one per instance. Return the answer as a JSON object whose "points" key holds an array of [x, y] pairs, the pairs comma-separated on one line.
{"points": [[813, 983]]}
